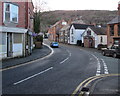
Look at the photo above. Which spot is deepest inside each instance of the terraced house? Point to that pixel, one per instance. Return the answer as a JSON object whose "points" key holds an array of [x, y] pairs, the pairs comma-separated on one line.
{"points": [[113, 31], [16, 28]]}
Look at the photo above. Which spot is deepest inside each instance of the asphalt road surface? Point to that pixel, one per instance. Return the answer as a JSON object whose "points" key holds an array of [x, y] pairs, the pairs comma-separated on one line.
{"points": [[64, 72]]}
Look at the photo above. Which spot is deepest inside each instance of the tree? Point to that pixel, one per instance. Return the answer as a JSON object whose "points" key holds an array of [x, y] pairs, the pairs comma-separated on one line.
{"points": [[37, 15], [37, 21]]}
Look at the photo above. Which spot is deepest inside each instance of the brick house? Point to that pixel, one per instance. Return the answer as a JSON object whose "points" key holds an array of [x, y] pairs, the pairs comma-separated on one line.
{"points": [[16, 28], [113, 29], [54, 30]]}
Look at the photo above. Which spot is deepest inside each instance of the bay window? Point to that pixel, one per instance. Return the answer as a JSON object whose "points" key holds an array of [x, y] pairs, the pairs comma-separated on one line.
{"points": [[10, 12]]}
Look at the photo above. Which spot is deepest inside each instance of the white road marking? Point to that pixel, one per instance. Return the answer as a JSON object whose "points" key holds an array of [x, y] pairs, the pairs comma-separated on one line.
{"points": [[67, 57], [64, 60], [52, 51], [33, 76], [98, 66], [69, 53], [105, 67]]}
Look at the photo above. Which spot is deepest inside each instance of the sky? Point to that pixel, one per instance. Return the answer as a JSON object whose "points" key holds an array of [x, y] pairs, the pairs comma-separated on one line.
{"points": [[78, 4]]}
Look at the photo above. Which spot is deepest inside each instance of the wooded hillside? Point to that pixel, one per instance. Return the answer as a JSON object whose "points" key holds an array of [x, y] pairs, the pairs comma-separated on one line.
{"points": [[88, 16]]}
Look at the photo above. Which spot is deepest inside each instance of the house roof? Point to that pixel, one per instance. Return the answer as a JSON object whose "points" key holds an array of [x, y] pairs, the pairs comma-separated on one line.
{"points": [[115, 20], [99, 30], [81, 26]]}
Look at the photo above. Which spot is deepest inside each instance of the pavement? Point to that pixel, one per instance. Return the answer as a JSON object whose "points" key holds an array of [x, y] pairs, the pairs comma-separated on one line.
{"points": [[36, 54]]}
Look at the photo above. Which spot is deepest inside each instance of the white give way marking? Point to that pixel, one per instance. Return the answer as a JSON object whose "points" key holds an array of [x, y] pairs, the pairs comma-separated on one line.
{"points": [[98, 72]]}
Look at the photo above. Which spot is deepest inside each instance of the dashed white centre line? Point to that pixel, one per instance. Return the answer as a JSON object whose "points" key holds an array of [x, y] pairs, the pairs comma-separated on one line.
{"points": [[70, 54], [64, 60], [33, 76]]}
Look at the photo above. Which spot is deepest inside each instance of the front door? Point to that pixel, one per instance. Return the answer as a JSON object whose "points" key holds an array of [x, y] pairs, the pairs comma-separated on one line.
{"points": [[9, 45]]}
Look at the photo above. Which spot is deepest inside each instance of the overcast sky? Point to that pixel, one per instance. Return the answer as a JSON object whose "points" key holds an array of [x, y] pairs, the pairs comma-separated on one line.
{"points": [[80, 4]]}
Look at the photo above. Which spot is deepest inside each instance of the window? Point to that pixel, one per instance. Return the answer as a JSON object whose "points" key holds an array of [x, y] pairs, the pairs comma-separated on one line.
{"points": [[101, 39], [119, 29], [112, 30], [7, 12], [89, 32], [10, 13], [17, 38], [72, 31], [72, 39], [3, 39]]}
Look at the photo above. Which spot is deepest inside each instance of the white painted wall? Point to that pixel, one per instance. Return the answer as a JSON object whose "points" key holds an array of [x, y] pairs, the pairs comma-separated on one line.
{"points": [[76, 35], [97, 37], [104, 39]]}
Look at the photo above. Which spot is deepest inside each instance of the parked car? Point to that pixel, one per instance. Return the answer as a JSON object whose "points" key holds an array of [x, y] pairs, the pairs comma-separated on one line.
{"points": [[112, 51], [54, 44]]}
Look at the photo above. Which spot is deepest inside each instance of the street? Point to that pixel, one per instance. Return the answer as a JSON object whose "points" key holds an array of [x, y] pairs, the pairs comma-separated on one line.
{"points": [[63, 72]]}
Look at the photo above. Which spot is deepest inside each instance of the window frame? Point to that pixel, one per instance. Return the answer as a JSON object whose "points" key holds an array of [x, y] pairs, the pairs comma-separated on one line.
{"points": [[88, 32], [10, 12]]}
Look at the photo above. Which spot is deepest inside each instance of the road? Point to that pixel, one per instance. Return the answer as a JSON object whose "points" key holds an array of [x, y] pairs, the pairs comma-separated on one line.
{"points": [[63, 72]]}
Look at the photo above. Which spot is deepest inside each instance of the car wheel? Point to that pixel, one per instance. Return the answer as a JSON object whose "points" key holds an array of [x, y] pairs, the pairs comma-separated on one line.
{"points": [[114, 55], [103, 53]]}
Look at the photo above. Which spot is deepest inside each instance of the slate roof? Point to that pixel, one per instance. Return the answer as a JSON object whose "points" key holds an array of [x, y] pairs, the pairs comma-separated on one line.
{"points": [[81, 26], [115, 20], [99, 30]]}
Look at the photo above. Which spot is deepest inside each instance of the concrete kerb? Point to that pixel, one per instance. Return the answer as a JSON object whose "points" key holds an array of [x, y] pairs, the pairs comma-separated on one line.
{"points": [[29, 62]]}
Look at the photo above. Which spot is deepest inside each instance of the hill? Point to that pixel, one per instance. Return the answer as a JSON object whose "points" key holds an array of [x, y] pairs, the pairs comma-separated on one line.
{"points": [[88, 16]]}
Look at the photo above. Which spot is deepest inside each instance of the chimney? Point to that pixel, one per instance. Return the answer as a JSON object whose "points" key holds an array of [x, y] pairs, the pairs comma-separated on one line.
{"points": [[119, 8]]}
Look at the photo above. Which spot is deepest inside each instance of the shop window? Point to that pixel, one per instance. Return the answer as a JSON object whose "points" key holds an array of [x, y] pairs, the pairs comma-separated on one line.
{"points": [[3, 39], [17, 38]]}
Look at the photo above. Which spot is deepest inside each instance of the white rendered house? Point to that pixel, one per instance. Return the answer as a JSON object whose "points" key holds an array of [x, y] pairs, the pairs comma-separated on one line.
{"points": [[76, 30], [93, 36]]}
